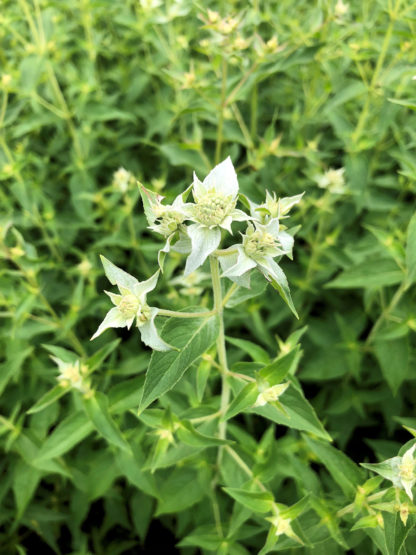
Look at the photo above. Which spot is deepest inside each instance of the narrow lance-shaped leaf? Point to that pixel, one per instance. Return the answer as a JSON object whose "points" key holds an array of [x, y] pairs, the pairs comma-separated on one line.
{"points": [[259, 502], [245, 399], [411, 250], [96, 407], [50, 397], [192, 338]]}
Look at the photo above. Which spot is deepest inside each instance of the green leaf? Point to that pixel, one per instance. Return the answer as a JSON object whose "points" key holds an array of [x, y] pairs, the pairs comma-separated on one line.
{"points": [[60, 352], [367, 521], [299, 414], [25, 481], [279, 282], [141, 511], [245, 399], [393, 357], [50, 397], [369, 274], [259, 502], [95, 361], [275, 372], [342, 469], [69, 432], [181, 490], [190, 436], [257, 353], [96, 407], [402, 102], [395, 532], [131, 465], [193, 337], [411, 249]]}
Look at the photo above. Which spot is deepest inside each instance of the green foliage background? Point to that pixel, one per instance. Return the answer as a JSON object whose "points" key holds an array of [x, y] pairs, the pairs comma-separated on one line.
{"points": [[89, 86]]}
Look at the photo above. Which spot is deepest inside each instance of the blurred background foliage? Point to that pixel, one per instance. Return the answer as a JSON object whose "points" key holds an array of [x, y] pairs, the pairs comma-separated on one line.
{"points": [[304, 96]]}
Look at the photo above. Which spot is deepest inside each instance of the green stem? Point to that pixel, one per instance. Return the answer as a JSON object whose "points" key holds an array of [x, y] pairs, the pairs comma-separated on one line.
{"points": [[386, 312], [253, 108], [222, 354], [221, 115], [364, 113], [175, 314], [229, 293], [243, 465]]}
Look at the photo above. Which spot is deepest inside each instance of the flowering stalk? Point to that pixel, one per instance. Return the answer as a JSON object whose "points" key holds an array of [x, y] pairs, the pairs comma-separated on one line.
{"points": [[221, 350]]}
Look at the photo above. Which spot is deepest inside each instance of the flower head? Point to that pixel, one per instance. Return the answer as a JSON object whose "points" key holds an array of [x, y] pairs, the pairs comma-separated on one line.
{"points": [[401, 471], [214, 208], [72, 374], [272, 207], [121, 179], [261, 244], [333, 180], [162, 219], [131, 304], [270, 394]]}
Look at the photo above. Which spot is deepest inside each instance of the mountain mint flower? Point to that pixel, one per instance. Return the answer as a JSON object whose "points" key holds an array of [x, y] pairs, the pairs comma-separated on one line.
{"points": [[401, 471], [333, 180], [272, 207], [72, 374], [162, 219], [130, 305], [214, 209], [166, 220], [122, 179], [261, 243], [270, 394]]}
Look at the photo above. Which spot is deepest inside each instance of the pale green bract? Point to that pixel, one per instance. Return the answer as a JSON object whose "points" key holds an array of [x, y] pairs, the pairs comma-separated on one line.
{"points": [[130, 305]]}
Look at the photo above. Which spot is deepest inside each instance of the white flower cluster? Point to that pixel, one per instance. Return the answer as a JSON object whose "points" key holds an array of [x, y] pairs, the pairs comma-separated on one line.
{"points": [[211, 214], [401, 471], [196, 230]]}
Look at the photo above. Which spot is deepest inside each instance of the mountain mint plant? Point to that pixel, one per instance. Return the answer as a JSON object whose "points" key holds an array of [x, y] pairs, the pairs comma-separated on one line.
{"points": [[243, 243]]}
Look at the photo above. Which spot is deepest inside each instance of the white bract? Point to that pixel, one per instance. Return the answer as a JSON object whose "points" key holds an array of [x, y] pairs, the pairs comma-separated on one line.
{"points": [[214, 209], [131, 304]]}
